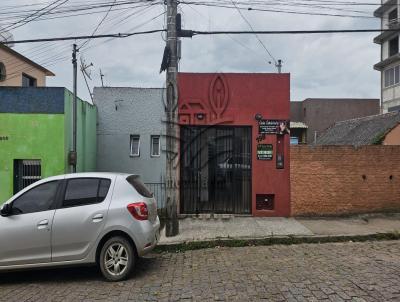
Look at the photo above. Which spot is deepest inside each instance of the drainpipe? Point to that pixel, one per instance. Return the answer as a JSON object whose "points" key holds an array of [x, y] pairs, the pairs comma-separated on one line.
{"points": [[72, 156]]}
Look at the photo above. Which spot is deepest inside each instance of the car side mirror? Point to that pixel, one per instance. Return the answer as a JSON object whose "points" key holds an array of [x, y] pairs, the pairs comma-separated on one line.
{"points": [[5, 210]]}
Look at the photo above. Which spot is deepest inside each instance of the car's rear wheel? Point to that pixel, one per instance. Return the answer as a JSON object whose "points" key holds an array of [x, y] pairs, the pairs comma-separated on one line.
{"points": [[117, 258]]}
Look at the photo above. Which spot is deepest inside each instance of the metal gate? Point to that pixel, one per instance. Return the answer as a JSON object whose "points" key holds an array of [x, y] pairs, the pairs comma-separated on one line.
{"points": [[26, 172], [215, 170]]}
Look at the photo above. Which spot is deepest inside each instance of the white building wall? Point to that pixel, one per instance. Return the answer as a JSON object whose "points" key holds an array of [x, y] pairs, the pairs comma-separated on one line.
{"points": [[391, 97], [385, 50], [385, 20], [123, 112]]}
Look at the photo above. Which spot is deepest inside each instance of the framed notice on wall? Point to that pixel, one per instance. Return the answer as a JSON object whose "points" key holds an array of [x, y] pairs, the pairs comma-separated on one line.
{"points": [[273, 127], [265, 152]]}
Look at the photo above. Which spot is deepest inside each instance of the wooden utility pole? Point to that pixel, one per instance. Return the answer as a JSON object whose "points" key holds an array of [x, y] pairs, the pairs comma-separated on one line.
{"points": [[172, 131]]}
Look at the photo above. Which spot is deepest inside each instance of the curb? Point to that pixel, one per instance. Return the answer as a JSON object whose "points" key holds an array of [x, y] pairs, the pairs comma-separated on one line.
{"points": [[283, 240]]}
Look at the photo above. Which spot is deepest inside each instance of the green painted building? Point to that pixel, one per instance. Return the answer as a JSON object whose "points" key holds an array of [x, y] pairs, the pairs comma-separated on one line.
{"points": [[36, 135]]}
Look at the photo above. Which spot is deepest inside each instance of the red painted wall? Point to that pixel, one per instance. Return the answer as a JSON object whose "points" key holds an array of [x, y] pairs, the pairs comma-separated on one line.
{"points": [[234, 99]]}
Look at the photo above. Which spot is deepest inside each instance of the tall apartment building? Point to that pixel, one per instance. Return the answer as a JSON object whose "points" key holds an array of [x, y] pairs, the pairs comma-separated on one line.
{"points": [[389, 65]]}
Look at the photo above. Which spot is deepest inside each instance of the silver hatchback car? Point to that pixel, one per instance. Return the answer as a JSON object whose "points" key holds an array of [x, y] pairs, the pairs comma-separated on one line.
{"points": [[104, 218]]}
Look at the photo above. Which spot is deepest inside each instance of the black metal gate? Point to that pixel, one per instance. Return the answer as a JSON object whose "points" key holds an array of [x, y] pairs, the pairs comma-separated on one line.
{"points": [[215, 170]]}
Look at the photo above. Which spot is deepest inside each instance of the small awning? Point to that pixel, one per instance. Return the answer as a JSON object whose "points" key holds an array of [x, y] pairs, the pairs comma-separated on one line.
{"points": [[298, 125]]}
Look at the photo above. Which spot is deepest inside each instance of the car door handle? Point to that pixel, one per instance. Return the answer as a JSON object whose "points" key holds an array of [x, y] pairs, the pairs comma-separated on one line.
{"points": [[43, 224], [97, 218]]}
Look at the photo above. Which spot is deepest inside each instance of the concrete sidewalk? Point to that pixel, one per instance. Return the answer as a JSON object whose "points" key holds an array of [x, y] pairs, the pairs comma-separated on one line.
{"points": [[196, 229]]}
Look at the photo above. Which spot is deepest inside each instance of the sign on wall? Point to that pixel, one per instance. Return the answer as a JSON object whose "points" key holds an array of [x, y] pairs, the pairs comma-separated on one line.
{"points": [[273, 126], [265, 152]]}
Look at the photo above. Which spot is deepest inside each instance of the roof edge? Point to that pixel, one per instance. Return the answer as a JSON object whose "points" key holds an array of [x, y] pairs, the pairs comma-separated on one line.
{"points": [[27, 60]]}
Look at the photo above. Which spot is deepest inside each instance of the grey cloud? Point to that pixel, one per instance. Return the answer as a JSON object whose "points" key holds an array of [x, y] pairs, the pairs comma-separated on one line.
{"points": [[320, 65]]}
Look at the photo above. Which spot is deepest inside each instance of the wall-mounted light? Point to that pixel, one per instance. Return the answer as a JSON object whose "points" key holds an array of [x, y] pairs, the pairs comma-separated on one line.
{"points": [[258, 117], [200, 116]]}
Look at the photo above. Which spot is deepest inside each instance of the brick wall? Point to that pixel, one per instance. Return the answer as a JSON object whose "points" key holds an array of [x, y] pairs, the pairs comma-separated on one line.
{"points": [[341, 180]]}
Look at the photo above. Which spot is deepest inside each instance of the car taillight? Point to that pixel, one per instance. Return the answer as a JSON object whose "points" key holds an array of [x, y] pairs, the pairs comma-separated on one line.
{"points": [[139, 210]]}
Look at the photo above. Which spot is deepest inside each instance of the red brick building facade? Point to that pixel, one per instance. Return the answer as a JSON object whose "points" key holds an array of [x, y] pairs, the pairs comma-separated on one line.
{"points": [[344, 180]]}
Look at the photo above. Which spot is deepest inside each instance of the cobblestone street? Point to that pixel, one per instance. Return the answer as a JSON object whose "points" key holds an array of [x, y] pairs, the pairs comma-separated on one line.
{"points": [[326, 272]]}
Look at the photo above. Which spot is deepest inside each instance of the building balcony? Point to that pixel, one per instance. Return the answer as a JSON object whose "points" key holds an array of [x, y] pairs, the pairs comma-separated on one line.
{"points": [[382, 64], [384, 8], [384, 36]]}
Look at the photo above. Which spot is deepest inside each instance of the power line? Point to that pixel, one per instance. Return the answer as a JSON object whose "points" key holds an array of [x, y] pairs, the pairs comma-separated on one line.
{"points": [[98, 25], [33, 17], [273, 10], [291, 32], [56, 58], [198, 32], [141, 12], [232, 38], [119, 35], [249, 5], [258, 38], [69, 11]]}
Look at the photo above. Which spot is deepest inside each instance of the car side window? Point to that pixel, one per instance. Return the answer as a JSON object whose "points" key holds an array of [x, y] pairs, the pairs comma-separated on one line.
{"points": [[85, 191], [103, 189], [37, 199]]}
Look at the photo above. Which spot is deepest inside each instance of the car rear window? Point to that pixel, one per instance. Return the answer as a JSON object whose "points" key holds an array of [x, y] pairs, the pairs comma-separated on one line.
{"points": [[134, 181]]}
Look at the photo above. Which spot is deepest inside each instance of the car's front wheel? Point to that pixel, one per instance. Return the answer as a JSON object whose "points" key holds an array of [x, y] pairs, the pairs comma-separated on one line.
{"points": [[117, 258]]}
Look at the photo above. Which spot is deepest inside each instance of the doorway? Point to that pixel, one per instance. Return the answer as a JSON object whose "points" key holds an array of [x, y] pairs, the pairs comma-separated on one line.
{"points": [[215, 170]]}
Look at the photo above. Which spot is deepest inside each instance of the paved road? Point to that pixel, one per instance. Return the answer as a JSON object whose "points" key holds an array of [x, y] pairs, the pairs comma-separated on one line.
{"points": [[327, 272]]}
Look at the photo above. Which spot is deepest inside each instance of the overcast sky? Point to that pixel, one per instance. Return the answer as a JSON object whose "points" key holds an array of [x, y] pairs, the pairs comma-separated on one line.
{"points": [[329, 65]]}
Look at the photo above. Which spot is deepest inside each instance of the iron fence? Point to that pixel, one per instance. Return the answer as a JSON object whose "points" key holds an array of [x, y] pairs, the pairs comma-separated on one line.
{"points": [[158, 189]]}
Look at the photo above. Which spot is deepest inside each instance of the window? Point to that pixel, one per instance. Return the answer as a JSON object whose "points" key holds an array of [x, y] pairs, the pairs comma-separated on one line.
{"points": [[392, 76], [85, 191], [394, 46], [103, 189], [28, 81], [393, 16], [2, 72], [26, 172], [155, 146], [134, 181], [135, 145], [38, 199], [395, 108]]}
